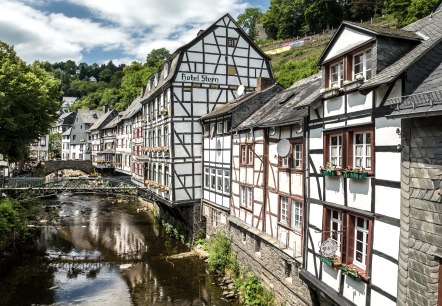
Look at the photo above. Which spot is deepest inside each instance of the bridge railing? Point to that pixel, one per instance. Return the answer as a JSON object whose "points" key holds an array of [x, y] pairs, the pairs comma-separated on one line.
{"points": [[24, 182]]}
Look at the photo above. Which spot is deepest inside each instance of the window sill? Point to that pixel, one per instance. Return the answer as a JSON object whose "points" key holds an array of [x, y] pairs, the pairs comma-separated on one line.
{"points": [[246, 208], [361, 274]]}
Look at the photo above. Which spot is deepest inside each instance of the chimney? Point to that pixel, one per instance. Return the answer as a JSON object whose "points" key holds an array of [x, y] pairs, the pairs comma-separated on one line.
{"points": [[105, 108], [200, 32], [263, 83]]}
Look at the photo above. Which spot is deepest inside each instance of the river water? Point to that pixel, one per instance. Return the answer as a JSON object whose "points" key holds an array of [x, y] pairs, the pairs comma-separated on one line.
{"points": [[106, 251]]}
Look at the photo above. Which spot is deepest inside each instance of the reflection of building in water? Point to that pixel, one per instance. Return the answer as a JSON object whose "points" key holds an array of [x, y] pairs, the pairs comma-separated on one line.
{"points": [[128, 239]]}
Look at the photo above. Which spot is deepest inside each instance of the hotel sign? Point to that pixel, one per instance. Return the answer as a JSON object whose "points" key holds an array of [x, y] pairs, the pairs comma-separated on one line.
{"points": [[197, 78]]}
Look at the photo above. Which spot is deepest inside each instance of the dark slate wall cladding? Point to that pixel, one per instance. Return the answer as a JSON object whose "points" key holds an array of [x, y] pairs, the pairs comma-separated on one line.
{"points": [[420, 71], [389, 50], [421, 212], [271, 265]]}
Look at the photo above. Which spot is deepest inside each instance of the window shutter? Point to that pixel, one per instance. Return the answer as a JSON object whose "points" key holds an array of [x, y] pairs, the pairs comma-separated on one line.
{"points": [[350, 232], [326, 224], [326, 149], [349, 149]]}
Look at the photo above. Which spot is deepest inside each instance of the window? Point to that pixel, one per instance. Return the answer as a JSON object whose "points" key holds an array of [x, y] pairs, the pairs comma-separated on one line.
{"points": [[285, 161], [219, 180], [243, 154], [297, 156], [362, 64], [246, 197], [284, 210], [250, 157], [166, 175], [159, 137], [166, 136], [296, 216], [73, 137], [226, 126], [227, 181], [355, 237], [362, 150], [361, 242], [213, 178], [43, 141], [166, 70], [207, 177], [231, 42], [156, 79], [336, 74], [219, 128], [336, 150]]}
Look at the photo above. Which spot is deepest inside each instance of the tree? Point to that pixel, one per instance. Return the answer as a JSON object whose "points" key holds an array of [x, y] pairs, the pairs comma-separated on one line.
{"points": [[323, 14], [29, 99], [54, 145], [156, 58], [135, 77], [249, 19]]}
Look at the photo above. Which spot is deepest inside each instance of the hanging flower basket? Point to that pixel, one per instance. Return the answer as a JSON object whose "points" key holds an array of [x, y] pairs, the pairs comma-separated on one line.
{"points": [[356, 174], [351, 272], [331, 261]]}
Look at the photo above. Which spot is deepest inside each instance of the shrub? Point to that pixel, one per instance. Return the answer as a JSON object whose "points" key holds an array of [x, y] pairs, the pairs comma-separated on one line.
{"points": [[251, 291], [219, 254]]}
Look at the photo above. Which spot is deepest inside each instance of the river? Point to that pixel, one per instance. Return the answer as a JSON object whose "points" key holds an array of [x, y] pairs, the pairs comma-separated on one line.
{"points": [[105, 251]]}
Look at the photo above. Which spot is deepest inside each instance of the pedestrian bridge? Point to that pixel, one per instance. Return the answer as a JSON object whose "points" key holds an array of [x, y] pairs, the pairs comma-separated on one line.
{"points": [[40, 187]]}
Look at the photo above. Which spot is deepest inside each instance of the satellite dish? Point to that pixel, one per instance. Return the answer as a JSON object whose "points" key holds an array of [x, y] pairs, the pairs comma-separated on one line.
{"points": [[240, 90], [298, 129], [283, 147], [272, 131]]}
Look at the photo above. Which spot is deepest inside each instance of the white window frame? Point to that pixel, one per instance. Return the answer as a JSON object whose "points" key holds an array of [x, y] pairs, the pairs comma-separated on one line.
{"points": [[338, 147], [284, 210], [296, 214], [339, 73], [366, 150], [364, 241], [365, 61], [213, 179], [219, 127], [226, 188], [219, 180], [285, 161], [250, 197], [250, 155], [338, 222], [297, 156]]}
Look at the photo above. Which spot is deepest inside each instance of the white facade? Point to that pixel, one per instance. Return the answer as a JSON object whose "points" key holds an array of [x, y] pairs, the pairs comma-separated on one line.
{"points": [[65, 144], [354, 180], [39, 149], [203, 74]]}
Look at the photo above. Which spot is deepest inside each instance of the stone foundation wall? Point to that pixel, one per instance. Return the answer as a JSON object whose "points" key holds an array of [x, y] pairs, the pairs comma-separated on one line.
{"points": [[421, 212], [216, 220], [275, 268]]}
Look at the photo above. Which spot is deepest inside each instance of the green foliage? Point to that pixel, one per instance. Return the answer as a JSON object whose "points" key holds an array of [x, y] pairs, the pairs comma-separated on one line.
{"points": [[156, 58], [292, 71], [176, 232], [14, 216], [323, 15], [220, 256], [249, 19], [29, 99], [251, 291], [54, 145]]}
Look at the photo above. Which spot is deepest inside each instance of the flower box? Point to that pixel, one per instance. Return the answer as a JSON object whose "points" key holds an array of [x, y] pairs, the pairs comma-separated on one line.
{"points": [[330, 93], [325, 172], [352, 85], [351, 272], [355, 175], [332, 262]]}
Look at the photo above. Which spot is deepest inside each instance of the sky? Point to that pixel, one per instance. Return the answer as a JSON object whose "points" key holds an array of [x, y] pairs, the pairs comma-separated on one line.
{"points": [[96, 31]]}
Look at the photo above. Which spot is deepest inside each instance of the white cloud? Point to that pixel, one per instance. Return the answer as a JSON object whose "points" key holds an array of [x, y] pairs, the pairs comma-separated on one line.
{"points": [[131, 28]]}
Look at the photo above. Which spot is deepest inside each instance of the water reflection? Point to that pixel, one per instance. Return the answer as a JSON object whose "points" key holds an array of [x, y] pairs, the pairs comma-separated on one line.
{"points": [[109, 253]]}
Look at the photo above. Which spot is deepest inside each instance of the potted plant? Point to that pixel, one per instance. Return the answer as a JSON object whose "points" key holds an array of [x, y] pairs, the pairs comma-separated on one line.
{"points": [[350, 271], [357, 173], [328, 170], [334, 261]]}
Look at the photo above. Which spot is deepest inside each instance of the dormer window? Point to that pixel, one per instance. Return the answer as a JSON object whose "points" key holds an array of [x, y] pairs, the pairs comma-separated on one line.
{"points": [[336, 74], [362, 64], [156, 80]]}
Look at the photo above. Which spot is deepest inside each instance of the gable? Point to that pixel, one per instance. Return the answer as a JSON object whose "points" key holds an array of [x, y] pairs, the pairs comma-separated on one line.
{"points": [[346, 40]]}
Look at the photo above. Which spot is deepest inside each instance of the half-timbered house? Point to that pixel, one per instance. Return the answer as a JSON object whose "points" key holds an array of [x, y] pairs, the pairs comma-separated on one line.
{"points": [[99, 159], [217, 151], [202, 74], [124, 138], [353, 184]]}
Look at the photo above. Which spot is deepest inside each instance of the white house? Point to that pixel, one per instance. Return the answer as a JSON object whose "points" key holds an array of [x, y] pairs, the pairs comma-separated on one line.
{"points": [[353, 184]]}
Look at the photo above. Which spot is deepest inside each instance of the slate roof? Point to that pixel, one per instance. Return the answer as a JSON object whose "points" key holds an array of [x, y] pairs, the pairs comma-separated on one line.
{"points": [[100, 120], [173, 60], [286, 107], [67, 132], [250, 98], [429, 26], [426, 100], [369, 29], [133, 108], [89, 116], [112, 123]]}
